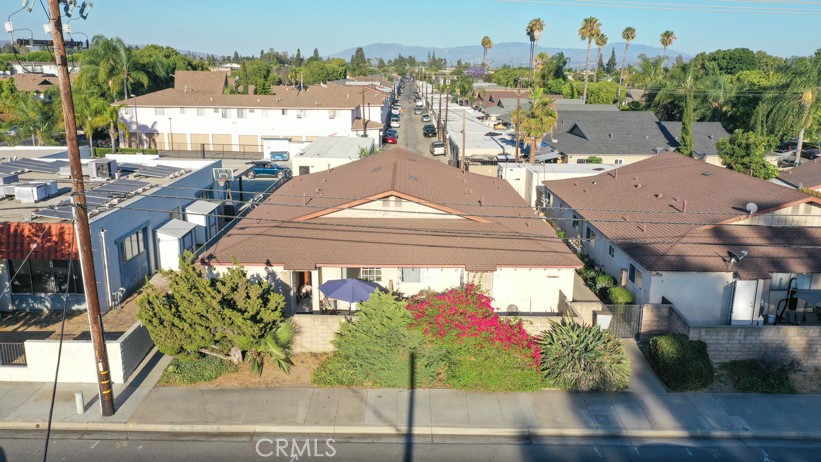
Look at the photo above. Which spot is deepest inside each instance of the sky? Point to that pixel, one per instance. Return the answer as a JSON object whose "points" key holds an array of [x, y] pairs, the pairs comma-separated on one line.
{"points": [[783, 28]]}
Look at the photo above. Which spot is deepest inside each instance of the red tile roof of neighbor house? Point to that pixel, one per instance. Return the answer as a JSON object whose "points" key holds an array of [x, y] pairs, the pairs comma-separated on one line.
{"points": [[806, 175], [296, 228], [18, 239], [663, 211]]}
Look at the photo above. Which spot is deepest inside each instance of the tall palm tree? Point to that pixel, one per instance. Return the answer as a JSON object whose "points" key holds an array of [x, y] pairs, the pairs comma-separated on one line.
{"points": [[667, 38], [91, 113], [628, 34], [591, 28], [110, 65], [789, 108], [536, 122], [534, 32], [487, 44], [601, 41]]}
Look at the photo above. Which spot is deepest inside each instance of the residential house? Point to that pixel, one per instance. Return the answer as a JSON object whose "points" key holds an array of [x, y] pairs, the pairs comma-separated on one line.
{"points": [[36, 84], [527, 178], [329, 152], [408, 223], [806, 175], [41, 67], [196, 115], [624, 137], [719, 245], [132, 199]]}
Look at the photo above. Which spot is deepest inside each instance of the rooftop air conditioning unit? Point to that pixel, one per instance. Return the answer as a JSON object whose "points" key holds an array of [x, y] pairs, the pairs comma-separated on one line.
{"points": [[102, 169], [30, 193]]}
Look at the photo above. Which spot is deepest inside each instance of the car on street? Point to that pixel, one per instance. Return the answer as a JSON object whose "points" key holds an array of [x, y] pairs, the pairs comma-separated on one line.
{"points": [[266, 168], [390, 140], [420, 103], [437, 148], [395, 110], [425, 117], [812, 153], [392, 132], [395, 122], [429, 130], [418, 111]]}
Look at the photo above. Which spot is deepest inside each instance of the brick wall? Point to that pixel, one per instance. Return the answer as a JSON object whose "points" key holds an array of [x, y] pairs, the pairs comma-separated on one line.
{"points": [[316, 331], [654, 321], [726, 343]]}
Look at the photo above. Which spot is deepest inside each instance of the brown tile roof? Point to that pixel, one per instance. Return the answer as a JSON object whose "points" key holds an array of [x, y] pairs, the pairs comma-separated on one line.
{"points": [[649, 207], [372, 125], [806, 175], [200, 81], [494, 232], [30, 82], [330, 96], [17, 240]]}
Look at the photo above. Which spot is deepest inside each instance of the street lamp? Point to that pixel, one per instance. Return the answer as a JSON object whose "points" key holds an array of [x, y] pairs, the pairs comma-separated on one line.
{"points": [[171, 132]]}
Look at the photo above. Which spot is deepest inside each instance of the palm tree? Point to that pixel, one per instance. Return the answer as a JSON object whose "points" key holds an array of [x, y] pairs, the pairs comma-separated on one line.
{"points": [[534, 32], [591, 28], [790, 107], [36, 116], [535, 123], [110, 65], [628, 34], [487, 44], [667, 38], [601, 41], [91, 113]]}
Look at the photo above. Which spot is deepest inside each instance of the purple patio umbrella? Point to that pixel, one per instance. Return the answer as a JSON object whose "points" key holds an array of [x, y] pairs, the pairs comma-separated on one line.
{"points": [[349, 290]]}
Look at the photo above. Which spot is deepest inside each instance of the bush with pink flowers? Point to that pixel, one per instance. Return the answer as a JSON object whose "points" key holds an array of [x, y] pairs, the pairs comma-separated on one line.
{"points": [[477, 348]]}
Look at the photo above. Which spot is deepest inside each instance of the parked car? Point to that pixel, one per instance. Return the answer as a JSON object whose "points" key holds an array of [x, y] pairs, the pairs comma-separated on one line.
{"points": [[392, 132], [420, 103], [266, 168], [429, 130], [418, 111], [425, 117], [281, 156], [390, 139], [437, 148], [395, 110], [395, 122], [787, 161], [812, 153]]}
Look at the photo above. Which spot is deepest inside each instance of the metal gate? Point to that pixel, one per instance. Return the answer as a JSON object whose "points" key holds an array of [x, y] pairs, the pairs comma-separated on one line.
{"points": [[626, 321]]}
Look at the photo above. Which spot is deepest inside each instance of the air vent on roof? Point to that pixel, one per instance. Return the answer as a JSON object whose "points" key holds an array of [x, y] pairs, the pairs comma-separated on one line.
{"points": [[599, 169], [707, 173], [412, 177]]}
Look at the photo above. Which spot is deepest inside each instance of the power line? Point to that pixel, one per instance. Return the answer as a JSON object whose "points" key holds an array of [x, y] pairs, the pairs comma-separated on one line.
{"points": [[672, 7]]}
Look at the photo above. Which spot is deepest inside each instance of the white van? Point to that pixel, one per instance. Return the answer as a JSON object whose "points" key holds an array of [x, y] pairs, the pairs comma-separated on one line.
{"points": [[437, 148]]}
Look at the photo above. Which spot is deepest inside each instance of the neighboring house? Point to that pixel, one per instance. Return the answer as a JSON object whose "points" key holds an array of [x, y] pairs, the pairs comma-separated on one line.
{"points": [[41, 67], [664, 227], [806, 175], [705, 137], [195, 115], [37, 84], [329, 152], [527, 178], [408, 223], [132, 200], [624, 137]]}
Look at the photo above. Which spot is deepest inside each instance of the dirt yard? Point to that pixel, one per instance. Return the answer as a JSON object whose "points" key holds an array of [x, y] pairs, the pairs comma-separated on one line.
{"points": [[300, 376], [807, 381], [20, 326]]}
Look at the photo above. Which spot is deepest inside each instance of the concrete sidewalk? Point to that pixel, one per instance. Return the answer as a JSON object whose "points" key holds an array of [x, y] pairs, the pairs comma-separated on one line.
{"points": [[645, 411]]}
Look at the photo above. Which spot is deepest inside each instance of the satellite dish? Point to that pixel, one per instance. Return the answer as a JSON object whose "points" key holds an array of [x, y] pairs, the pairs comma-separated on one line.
{"points": [[734, 257], [752, 207]]}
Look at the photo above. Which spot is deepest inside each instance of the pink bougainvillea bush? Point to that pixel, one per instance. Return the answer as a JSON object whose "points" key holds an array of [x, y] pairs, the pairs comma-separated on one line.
{"points": [[479, 349]]}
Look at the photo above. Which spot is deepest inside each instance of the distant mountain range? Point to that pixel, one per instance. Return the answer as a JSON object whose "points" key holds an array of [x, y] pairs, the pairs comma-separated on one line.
{"points": [[510, 53]]}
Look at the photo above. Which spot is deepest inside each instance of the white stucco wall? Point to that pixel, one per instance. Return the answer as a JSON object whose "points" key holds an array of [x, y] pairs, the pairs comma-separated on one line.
{"points": [[704, 298], [393, 209], [317, 164], [531, 289]]}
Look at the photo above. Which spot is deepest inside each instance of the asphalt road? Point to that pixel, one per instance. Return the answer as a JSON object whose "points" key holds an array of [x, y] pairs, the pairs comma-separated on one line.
{"points": [[410, 131], [158, 447]]}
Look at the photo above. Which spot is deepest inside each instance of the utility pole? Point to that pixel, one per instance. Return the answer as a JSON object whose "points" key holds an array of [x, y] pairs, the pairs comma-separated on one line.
{"points": [[439, 116], [464, 152], [81, 214], [445, 131], [364, 119], [518, 117]]}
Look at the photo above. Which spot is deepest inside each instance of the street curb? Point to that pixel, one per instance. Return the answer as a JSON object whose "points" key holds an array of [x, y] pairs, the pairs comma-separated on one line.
{"points": [[263, 429]]}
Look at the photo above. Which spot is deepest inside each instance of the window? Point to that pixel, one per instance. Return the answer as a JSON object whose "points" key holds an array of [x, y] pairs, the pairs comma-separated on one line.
{"points": [[300, 114], [182, 111], [411, 274], [251, 111], [397, 202], [284, 112], [332, 114], [240, 113], [549, 199], [581, 161], [575, 223], [371, 274], [216, 110], [159, 111], [132, 246], [200, 111], [263, 113], [635, 276], [45, 277], [205, 194], [226, 113], [590, 235], [611, 251], [618, 161], [386, 202]]}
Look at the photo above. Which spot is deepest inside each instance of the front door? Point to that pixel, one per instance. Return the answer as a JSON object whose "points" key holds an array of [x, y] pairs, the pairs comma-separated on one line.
{"points": [[743, 312]]}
